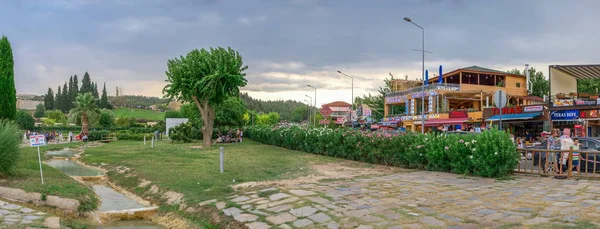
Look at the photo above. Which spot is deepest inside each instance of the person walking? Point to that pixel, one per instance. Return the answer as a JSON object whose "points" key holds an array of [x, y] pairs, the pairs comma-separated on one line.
{"points": [[71, 136]]}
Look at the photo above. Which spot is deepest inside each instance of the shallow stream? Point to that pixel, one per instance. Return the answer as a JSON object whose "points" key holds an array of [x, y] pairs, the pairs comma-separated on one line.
{"points": [[110, 199]]}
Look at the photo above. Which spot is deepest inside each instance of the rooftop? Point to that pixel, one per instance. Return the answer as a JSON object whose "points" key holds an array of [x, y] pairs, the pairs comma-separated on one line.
{"points": [[338, 104]]}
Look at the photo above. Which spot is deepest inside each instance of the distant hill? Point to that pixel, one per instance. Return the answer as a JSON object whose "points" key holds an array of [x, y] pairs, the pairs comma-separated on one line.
{"points": [[283, 107]]}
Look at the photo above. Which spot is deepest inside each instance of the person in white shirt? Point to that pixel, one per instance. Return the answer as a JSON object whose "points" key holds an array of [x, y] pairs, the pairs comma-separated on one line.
{"points": [[565, 144], [71, 136]]}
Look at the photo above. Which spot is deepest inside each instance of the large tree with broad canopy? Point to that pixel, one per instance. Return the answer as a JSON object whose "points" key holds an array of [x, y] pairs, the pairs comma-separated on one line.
{"points": [[205, 78]]}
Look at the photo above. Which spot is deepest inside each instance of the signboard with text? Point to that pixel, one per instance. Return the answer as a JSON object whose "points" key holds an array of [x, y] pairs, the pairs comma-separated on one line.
{"points": [[564, 115], [37, 140], [533, 109], [563, 103], [458, 114]]}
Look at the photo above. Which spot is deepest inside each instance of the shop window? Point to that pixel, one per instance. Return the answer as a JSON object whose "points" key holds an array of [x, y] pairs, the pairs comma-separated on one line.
{"points": [[518, 85]]}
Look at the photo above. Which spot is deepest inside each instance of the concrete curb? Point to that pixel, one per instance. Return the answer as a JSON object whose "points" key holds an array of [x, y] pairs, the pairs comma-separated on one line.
{"points": [[69, 205]]}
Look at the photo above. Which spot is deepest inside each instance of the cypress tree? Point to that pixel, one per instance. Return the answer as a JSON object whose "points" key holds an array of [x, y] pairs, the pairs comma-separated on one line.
{"points": [[86, 84], [71, 91], [8, 93], [66, 99], [95, 92], [75, 87], [49, 100], [59, 101], [104, 99]]}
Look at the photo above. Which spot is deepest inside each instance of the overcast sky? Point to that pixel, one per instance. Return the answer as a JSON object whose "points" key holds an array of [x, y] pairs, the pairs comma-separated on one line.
{"points": [[288, 44]]}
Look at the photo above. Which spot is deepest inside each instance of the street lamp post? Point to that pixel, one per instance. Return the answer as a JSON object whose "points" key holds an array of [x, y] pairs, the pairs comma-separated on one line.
{"points": [[422, 73], [309, 106], [351, 110], [315, 104]]}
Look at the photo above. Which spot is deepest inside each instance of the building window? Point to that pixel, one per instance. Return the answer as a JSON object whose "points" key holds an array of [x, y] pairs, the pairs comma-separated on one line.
{"points": [[518, 84], [487, 80]]}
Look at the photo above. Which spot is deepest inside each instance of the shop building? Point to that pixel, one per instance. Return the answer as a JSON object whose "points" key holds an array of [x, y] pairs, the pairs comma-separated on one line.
{"points": [[519, 119], [457, 99], [570, 109]]}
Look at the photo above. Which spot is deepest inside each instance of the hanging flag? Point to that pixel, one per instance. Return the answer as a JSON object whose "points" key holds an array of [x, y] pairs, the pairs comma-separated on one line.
{"points": [[440, 78], [426, 77]]}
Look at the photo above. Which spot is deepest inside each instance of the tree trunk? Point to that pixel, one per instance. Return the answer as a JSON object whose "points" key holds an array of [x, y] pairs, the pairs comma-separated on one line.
{"points": [[84, 124], [208, 120]]}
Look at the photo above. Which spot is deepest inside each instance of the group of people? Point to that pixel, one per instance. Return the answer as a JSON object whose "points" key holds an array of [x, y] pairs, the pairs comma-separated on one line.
{"points": [[566, 143], [230, 137], [57, 136]]}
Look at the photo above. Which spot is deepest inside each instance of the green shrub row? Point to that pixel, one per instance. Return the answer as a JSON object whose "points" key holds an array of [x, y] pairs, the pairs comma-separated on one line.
{"points": [[490, 154]]}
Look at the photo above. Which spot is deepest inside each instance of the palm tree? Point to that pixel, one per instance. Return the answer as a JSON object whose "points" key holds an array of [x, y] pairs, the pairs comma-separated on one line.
{"points": [[86, 105]]}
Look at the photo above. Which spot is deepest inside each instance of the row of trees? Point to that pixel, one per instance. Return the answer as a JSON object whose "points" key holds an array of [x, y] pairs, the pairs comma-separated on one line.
{"points": [[285, 108], [65, 97]]}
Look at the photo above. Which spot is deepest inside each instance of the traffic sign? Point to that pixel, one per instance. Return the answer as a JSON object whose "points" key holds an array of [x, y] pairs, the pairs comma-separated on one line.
{"points": [[323, 121], [37, 140], [500, 99], [325, 111]]}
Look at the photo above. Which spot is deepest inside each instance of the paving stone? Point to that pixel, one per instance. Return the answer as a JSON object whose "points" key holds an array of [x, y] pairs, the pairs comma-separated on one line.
{"points": [[486, 211], [364, 227], [285, 201], [207, 202], [245, 217], [303, 211], [318, 200], [280, 208], [570, 218], [269, 190], [371, 219], [536, 220], [320, 217], [525, 209], [258, 212], [220, 205], [432, 221], [284, 226], [451, 218], [426, 209], [32, 217], [278, 196], [240, 199], [281, 218], [331, 225], [26, 210], [247, 206], [302, 223], [52, 222], [303, 193], [232, 211], [258, 225], [562, 204], [10, 206], [455, 227]]}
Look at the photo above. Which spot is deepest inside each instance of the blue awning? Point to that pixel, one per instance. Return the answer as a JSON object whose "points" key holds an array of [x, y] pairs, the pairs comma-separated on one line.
{"points": [[514, 116]]}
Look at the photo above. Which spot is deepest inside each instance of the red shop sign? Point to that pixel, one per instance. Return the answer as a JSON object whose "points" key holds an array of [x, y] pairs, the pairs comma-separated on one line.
{"points": [[458, 114], [509, 110]]}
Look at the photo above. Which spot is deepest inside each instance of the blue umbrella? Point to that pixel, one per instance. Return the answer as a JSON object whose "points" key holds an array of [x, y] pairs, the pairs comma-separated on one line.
{"points": [[426, 76], [440, 78]]}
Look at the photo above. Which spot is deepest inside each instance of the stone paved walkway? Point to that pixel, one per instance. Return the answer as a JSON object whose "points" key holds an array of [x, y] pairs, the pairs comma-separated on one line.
{"points": [[421, 200], [16, 216]]}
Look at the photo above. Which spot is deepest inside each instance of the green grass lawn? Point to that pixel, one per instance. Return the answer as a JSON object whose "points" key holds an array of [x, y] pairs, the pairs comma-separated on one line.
{"points": [[195, 172], [27, 177], [139, 114]]}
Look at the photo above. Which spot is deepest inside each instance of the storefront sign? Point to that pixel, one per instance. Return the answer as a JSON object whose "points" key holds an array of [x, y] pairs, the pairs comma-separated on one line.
{"points": [[563, 102], [565, 115], [593, 113], [533, 109], [509, 110], [458, 114], [584, 103]]}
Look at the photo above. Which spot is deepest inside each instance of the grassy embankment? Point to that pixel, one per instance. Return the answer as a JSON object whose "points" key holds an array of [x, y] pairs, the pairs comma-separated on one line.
{"points": [[139, 114], [194, 172], [56, 183]]}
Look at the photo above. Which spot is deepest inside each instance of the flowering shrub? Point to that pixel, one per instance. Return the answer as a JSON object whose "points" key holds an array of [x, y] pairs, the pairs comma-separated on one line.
{"points": [[490, 154]]}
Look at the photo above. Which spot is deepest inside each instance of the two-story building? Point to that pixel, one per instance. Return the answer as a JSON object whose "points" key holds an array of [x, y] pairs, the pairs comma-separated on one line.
{"points": [[338, 111], [457, 100]]}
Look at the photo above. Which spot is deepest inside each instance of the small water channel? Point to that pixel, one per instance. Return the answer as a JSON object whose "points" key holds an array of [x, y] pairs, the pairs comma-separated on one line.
{"points": [[110, 199]]}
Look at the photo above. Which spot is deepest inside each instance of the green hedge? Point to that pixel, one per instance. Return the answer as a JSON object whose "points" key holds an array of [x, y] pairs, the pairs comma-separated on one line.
{"points": [[490, 154]]}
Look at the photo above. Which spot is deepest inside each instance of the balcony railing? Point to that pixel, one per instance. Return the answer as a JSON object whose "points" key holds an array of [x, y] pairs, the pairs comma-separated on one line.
{"points": [[435, 86]]}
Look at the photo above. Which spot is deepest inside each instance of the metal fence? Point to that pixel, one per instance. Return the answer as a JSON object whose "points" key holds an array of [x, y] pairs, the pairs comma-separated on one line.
{"points": [[559, 163]]}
